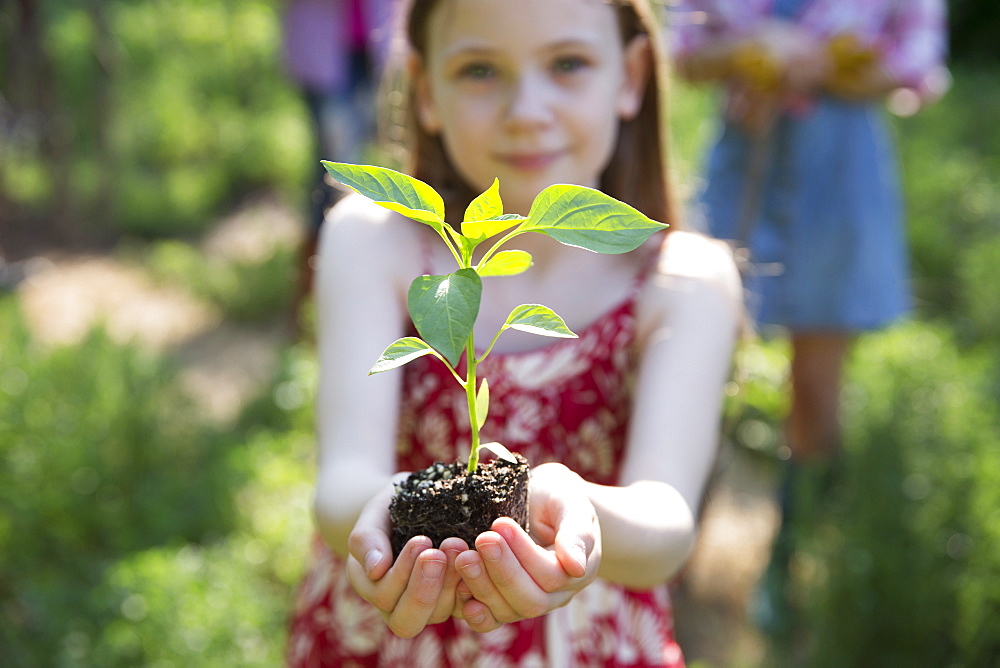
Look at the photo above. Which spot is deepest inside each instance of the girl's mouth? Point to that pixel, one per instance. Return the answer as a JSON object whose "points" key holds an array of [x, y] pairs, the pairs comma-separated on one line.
{"points": [[530, 162]]}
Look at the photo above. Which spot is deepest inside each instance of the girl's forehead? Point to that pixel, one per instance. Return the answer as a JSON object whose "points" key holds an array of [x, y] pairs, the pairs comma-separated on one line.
{"points": [[511, 23]]}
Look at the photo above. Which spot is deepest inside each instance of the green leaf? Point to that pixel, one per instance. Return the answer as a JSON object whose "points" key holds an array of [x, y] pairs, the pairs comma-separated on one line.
{"points": [[393, 190], [499, 450], [400, 352], [482, 229], [505, 263], [538, 319], [486, 205], [587, 218], [482, 403], [444, 309]]}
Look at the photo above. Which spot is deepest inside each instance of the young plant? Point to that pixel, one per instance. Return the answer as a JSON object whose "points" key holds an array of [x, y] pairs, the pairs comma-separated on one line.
{"points": [[444, 308]]}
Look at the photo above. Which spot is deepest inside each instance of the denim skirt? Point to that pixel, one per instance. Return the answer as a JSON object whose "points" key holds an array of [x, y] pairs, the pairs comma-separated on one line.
{"points": [[817, 205]]}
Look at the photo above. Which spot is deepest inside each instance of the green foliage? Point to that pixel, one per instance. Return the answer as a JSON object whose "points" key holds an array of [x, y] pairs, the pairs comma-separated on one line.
{"points": [[164, 113], [444, 308], [244, 291], [950, 156], [131, 532], [907, 558]]}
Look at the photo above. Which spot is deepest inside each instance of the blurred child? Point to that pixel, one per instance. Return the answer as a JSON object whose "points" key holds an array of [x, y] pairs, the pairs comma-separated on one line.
{"points": [[803, 175], [334, 50], [621, 424]]}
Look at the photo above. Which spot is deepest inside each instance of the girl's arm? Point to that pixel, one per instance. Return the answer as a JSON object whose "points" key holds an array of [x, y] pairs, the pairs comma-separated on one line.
{"points": [[694, 314], [367, 256], [358, 311], [638, 534]]}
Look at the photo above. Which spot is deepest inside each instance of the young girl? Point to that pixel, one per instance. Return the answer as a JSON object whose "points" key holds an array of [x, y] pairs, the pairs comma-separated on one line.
{"points": [[620, 425]]}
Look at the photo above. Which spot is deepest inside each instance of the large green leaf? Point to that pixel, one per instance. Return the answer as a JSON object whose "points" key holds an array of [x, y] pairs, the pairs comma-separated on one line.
{"points": [[444, 309], [506, 263], [400, 352], [393, 190], [487, 205], [584, 217], [538, 319]]}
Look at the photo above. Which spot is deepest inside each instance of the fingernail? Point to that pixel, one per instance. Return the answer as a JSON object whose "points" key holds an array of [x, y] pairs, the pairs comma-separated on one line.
{"points": [[371, 559], [477, 618], [580, 556], [472, 570], [432, 569], [490, 551]]}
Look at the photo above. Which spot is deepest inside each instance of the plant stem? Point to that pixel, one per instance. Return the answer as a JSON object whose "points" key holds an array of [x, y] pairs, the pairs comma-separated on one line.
{"points": [[470, 395]]}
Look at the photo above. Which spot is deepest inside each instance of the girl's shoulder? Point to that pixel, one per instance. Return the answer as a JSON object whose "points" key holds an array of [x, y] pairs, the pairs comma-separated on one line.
{"points": [[359, 233], [693, 271], [698, 257]]}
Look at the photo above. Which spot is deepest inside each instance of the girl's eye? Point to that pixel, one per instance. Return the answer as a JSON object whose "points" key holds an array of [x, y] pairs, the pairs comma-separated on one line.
{"points": [[478, 71], [568, 64]]}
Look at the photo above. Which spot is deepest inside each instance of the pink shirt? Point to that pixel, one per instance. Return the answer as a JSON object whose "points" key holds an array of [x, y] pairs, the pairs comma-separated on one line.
{"points": [[910, 35], [321, 34]]}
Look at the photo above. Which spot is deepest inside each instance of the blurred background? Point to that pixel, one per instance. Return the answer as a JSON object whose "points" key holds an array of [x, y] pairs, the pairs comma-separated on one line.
{"points": [[156, 436]]}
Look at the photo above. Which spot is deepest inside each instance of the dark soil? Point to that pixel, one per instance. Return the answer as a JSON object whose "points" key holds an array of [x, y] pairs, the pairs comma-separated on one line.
{"points": [[442, 500]]}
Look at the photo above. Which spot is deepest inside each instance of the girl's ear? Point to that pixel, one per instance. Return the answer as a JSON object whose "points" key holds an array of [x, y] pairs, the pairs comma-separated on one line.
{"points": [[426, 112], [638, 64]]}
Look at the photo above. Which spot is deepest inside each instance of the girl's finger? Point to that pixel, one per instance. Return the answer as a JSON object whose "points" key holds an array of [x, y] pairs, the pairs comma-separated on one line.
{"points": [[541, 564], [386, 592], [447, 601], [414, 608], [477, 580], [511, 581], [478, 616]]}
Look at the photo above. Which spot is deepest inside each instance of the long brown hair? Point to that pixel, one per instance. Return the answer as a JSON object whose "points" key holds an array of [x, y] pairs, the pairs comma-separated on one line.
{"points": [[638, 171]]}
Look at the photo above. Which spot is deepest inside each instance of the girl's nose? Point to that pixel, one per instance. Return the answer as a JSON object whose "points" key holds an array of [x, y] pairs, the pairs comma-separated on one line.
{"points": [[530, 103]]}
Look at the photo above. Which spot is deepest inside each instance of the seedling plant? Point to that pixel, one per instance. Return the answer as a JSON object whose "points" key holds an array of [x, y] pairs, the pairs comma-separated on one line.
{"points": [[444, 308]]}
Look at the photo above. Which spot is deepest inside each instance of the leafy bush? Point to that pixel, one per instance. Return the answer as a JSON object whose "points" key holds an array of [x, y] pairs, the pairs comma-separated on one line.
{"points": [[158, 114], [243, 290], [118, 510], [907, 560]]}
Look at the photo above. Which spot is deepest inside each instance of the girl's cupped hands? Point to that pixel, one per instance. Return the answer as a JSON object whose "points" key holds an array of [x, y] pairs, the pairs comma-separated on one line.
{"points": [[509, 576], [418, 588], [512, 575]]}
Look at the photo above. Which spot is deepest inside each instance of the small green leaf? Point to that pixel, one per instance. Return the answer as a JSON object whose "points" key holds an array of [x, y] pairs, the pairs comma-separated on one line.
{"points": [[499, 450], [482, 403], [486, 205], [505, 263], [393, 190], [590, 219], [482, 229], [444, 309], [400, 352], [538, 319]]}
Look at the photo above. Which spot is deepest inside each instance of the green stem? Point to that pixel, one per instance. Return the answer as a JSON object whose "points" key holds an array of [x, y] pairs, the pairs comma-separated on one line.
{"points": [[470, 395], [517, 231]]}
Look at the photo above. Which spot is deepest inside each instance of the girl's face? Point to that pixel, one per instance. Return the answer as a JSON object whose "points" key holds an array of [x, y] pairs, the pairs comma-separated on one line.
{"points": [[530, 91]]}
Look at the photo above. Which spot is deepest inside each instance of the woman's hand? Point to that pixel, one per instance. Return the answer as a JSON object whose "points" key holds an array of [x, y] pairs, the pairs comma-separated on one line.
{"points": [[419, 588], [515, 576]]}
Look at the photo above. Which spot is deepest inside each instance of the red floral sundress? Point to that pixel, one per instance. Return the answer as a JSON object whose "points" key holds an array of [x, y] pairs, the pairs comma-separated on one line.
{"points": [[569, 402]]}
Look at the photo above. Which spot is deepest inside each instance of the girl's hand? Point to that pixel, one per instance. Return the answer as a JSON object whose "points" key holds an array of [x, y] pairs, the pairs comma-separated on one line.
{"points": [[513, 576], [419, 588]]}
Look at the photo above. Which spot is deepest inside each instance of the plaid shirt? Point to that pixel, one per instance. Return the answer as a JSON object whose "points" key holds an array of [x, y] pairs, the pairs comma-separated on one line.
{"points": [[909, 35]]}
